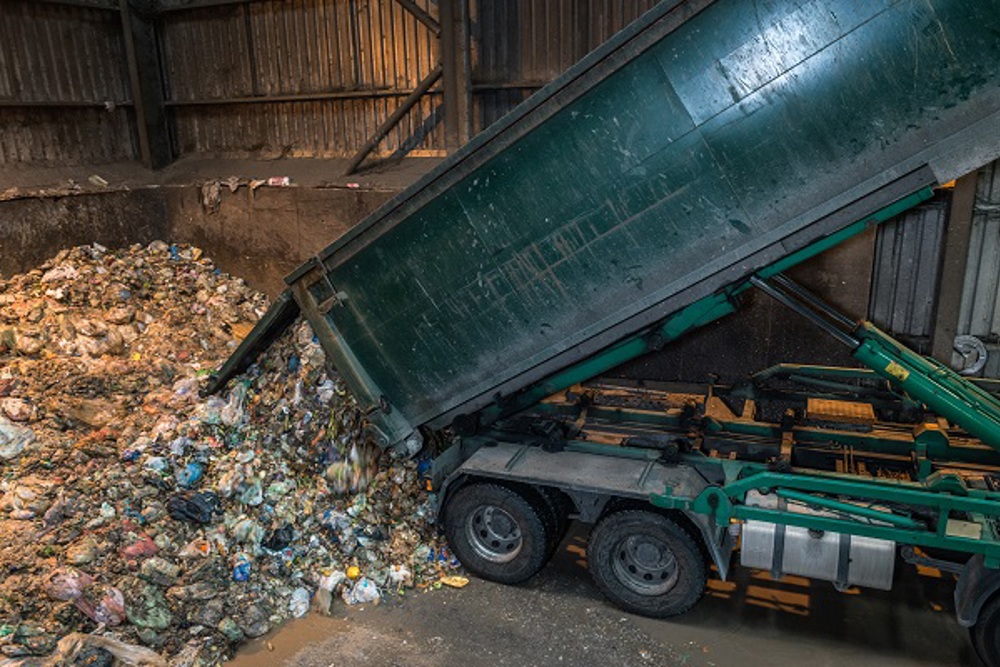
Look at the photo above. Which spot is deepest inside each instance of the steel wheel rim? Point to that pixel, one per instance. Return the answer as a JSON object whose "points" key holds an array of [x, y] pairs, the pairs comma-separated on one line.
{"points": [[645, 565], [494, 534]]}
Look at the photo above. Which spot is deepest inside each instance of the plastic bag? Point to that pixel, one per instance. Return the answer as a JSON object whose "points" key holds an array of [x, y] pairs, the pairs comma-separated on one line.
{"points": [[298, 606], [363, 591], [13, 438]]}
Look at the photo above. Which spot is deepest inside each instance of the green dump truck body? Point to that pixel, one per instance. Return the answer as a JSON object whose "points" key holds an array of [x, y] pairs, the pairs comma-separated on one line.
{"points": [[704, 142]]}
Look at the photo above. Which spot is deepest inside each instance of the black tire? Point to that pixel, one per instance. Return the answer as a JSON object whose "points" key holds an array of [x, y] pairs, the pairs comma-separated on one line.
{"points": [[553, 505], [985, 634], [646, 564], [496, 533]]}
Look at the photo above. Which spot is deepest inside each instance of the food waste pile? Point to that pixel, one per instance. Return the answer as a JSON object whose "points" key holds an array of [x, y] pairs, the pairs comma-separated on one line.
{"points": [[141, 523]]}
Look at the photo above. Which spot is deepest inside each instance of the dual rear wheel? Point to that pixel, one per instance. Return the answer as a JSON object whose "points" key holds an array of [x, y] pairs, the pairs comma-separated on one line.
{"points": [[641, 560], [985, 634], [646, 564]]}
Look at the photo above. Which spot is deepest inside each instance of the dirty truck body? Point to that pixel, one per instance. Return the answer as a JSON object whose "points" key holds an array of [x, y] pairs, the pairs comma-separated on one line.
{"points": [[698, 154]]}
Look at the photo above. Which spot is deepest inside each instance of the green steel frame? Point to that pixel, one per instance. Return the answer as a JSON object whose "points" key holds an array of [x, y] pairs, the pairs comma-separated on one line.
{"points": [[937, 508], [853, 497]]}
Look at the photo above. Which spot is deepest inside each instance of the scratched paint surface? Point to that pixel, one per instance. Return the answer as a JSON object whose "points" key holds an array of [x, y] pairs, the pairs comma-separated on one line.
{"points": [[749, 115]]}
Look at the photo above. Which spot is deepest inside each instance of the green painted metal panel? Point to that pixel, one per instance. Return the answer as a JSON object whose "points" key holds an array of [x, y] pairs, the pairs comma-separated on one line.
{"points": [[706, 141]]}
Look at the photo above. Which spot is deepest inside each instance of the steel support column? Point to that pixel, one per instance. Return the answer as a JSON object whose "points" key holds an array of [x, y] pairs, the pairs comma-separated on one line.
{"points": [[956, 252], [139, 35], [457, 79]]}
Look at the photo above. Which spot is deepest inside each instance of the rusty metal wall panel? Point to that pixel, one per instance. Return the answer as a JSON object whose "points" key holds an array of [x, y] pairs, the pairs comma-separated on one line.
{"points": [[229, 59], [205, 53], [535, 40], [66, 65], [980, 311], [61, 53], [295, 48], [66, 136], [907, 270], [299, 129], [519, 45]]}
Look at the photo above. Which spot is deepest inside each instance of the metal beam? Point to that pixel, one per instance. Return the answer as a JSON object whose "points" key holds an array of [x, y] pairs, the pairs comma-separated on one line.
{"points": [[146, 82], [200, 4], [109, 5], [421, 15], [511, 85], [304, 97], [64, 104], [457, 77], [396, 116], [331, 95], [956, 252]]}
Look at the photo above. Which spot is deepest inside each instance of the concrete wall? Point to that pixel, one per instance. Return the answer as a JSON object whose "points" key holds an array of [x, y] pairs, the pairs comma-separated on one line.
{"points": [[33, 229], [263, 235]]}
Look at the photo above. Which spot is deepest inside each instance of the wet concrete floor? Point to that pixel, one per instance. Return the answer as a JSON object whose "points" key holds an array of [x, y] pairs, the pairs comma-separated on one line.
{"points": [[559, 618]]}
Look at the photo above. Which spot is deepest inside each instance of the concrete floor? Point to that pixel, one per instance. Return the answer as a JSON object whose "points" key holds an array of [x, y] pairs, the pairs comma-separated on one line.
{"points": [[559, 618]]}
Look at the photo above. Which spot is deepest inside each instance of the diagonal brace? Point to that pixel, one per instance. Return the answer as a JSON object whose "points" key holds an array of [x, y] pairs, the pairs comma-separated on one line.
{"points": [[421, 15]]}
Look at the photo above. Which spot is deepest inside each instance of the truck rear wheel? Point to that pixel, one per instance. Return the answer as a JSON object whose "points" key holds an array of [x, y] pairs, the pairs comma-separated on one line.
{"points": [[646, 564], [554, 505], [985, 634], [496, 533]]}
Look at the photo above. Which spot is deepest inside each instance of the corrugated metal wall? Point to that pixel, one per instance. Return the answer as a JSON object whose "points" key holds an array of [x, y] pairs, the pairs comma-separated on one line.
{"points": [[339, 67], [519, 45], [979, 314], [297, 77], [980, 311], [64, 94], [273, 77], [907, 271]]}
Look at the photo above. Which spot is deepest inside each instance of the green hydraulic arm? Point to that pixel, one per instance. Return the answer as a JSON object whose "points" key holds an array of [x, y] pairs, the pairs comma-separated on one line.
{"points": [[941, 389]]}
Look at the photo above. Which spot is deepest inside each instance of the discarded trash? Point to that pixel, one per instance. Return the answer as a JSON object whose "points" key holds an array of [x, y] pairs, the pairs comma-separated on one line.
{"points": [[77, 648], [182, 523], [279, 181], [299, 604], [13, 439], [66, 583], [363, 591], [455, 581], [211, 197], [241, 568], [187, 506], [103, 604], [278, 539], [190, 475], [159, 571]]}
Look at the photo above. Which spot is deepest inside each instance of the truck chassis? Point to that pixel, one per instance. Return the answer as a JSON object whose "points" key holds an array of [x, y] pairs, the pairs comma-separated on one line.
{"points": [[818, 471]]}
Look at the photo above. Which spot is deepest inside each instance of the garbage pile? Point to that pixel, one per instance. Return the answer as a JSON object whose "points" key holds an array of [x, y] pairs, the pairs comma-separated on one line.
{"points": [[139, 518]]}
